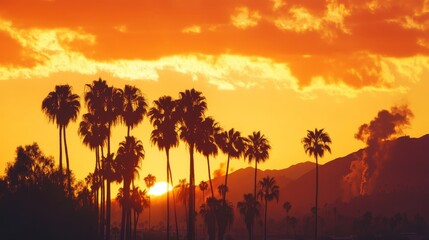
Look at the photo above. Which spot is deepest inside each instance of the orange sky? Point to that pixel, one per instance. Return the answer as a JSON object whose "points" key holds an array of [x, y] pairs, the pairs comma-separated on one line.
{"points": [[277, 66]]}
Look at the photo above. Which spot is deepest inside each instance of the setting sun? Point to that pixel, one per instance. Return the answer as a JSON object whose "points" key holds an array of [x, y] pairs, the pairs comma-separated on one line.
{"points": [[159, 188]]}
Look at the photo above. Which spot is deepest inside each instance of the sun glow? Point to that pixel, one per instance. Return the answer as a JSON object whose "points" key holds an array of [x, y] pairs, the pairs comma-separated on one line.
{"points": [[159, 189]]}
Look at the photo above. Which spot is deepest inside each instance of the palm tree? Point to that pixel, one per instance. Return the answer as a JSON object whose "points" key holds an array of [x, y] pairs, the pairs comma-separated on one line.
{"points": [[257, 149], [62, 106], [203, 187], [249, 208], [293, 222], [315, 144], [192, 106], [130, 153], [150, 181], [135, 107], [269, 190], [106, 103], [224, 217], [208, 211], [206, 143], [139, 201], [287, 206], [164, 119], [232, 144]]}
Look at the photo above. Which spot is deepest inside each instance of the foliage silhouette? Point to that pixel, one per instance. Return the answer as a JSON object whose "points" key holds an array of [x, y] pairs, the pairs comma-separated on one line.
{"points": [[249, 208], [232, 144], [35, 204], [164, 118], [62, 106], [257, 149], [206, 143], [130, 153], [192, 106], [269, 190], [150, 181], [315, 144]]}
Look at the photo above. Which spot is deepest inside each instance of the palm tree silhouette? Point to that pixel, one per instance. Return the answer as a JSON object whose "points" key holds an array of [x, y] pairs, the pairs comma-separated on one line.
{"points": [[192, 106], [287, 206], [139, 201], [269, 190], [206, 143], [150, 181], [130, 153], [135, 107], [203, 187], [209, 210], [62, 106], [107, 104], [257, 147], [232, 144], [315, 144], [249, 208], [164, 119], [224, 217]]}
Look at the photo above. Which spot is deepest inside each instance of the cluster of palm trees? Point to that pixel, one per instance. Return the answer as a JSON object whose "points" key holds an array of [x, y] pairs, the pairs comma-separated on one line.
{"points": [[172, 119]]}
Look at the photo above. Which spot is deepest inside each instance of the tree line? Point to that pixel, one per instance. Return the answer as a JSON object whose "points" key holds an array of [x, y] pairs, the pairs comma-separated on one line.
{"points": [[184, 118]]}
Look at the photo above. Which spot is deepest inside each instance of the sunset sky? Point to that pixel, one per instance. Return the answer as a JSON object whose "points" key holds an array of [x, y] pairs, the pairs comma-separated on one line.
{"points": [[279, 66]]}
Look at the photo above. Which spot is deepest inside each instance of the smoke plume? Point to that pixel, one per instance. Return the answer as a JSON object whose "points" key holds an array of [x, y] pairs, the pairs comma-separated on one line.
{"points": [[364, 171], [220, 171]]}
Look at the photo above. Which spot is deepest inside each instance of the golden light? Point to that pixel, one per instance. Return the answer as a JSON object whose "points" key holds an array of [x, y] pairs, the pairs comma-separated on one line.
{"points": [[159, 189]]}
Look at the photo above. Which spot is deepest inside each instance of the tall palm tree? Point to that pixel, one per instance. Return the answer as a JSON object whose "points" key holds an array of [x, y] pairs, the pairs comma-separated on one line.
{"points": [[315, 144], [62, 106], [150, 181], [164, 119], [130, 153], [257, 149], [232, 144], [206, 143], [135, 107], [192, 106], [106, 102], [287, 206], [94, 135], [203, 187], [269, 190], [249, 208]]}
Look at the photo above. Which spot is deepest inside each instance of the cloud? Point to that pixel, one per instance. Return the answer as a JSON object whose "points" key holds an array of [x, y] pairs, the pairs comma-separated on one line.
{"points": [[192, 29], [306, 46], [300, 19], [243, 18]]}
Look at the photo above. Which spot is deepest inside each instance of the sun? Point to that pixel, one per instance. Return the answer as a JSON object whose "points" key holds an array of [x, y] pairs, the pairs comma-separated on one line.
{"points": [[159, 188]]}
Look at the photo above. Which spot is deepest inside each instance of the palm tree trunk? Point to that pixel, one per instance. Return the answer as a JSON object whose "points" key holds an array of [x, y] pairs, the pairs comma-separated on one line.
{"points": [[61, 156], [256, 173], [67, 162], [226, 179], [317, 194], [96, 172], [102, 210], [168, 195], [174, 205], [191, 219], [265, 223], [108, 208], [210, 178], [124, 219]]}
